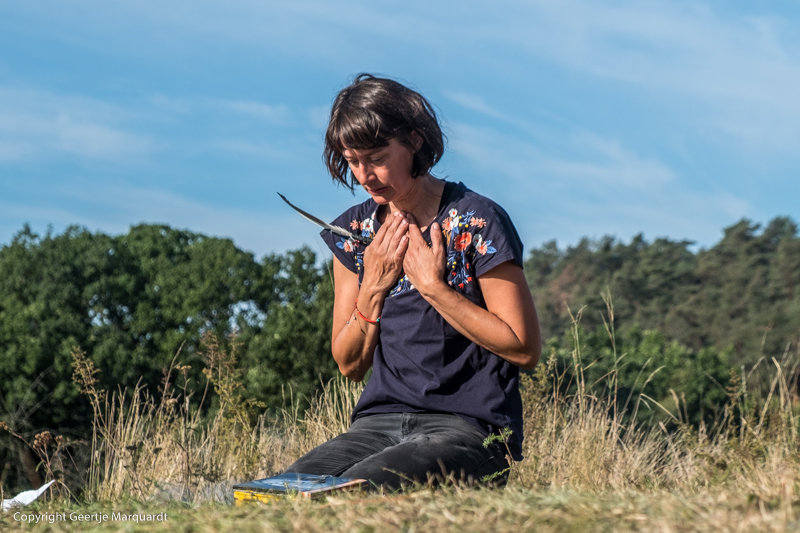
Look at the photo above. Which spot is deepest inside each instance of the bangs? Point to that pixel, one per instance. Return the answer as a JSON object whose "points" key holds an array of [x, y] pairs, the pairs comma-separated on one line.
{"points": [[360, 129]]}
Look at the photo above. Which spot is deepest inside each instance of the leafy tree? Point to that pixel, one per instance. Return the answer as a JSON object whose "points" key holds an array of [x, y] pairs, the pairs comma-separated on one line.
{"points": [[730, 295], [648, 369], [747, 288], [137, 301], [290, 350], [130, 301]]}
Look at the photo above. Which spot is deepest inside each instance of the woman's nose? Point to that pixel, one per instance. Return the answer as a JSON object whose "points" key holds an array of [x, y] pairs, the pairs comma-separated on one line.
{"points": [[365, 173]]}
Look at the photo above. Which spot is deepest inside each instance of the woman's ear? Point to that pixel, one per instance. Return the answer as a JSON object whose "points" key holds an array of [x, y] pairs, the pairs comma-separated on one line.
{"points": [[416, 140]]}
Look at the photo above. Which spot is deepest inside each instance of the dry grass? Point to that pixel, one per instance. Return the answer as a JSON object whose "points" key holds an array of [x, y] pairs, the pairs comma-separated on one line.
{"points": [[585, 468], [572, 442], [456, 510], [144, 448]]}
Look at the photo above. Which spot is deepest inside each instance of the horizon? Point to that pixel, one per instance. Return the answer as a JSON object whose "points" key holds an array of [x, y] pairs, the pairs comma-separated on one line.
{"points": [[594, 242]]}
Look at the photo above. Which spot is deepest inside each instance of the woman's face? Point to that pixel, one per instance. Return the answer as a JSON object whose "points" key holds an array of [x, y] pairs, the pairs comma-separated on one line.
{"points": [[385, 173]]}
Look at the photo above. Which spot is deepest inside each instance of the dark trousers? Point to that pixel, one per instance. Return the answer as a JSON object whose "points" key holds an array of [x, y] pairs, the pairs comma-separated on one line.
{"points": [[395, 449]]}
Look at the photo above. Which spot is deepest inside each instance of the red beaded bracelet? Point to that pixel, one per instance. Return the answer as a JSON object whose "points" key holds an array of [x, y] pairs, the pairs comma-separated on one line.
{"points": [[365, 319]]}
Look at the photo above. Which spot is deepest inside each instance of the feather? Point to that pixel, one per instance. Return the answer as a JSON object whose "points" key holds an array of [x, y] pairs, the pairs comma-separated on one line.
{"points": [[330, 227]]}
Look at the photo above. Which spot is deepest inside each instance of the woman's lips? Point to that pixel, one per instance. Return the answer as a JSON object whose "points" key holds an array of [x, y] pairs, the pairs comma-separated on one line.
{"points": [[378, 191]]}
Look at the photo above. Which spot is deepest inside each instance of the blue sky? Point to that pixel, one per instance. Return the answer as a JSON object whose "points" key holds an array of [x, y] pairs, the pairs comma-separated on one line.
{"points": [[580, 118]]}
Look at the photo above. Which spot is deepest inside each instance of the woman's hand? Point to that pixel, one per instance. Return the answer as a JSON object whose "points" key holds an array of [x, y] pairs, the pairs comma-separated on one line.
{"points": [[354, 340], [383, 258], [507, 327], [424, 265]]}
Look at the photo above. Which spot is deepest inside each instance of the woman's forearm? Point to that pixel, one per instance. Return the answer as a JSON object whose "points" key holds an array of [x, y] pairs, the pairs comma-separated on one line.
{"points": [[481, 326], [507, 326], [354, 336], [354, 346]]}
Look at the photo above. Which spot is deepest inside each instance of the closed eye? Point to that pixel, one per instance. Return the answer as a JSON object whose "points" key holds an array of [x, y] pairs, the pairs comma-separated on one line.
{"points": [[378, 157]]}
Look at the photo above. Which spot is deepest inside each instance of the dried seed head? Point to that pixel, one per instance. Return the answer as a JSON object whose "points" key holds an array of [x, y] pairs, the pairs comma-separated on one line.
{"points": [[41, 440]]}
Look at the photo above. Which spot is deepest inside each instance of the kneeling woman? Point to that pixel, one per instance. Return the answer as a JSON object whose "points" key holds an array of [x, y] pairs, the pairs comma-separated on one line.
{"points": [[437, 304]]}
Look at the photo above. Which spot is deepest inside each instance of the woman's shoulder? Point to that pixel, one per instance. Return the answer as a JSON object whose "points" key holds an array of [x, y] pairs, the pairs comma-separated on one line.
{"points": [[356, 214], [463, 200], [359, 221]]}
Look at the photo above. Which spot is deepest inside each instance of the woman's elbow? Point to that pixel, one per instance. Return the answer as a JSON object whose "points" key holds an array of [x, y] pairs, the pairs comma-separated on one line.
{"points": [[352, 372], [531, 357], [533, 345]]}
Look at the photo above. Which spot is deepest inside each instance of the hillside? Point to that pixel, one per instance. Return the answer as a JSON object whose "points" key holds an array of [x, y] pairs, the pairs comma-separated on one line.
{"points": [[741, 292]]}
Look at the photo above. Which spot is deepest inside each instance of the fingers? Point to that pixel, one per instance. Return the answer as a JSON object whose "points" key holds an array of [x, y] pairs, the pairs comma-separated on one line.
{"points": [[424, 263], [390, 243], [413, 229], [397, 230], [436, 236], [437, 241], [387, 232], [383, 258], [400, 252]]}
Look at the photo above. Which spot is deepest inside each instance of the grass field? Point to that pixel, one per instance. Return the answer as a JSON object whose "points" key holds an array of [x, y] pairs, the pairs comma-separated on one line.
{"points": [[513, 509], [587, 468]]}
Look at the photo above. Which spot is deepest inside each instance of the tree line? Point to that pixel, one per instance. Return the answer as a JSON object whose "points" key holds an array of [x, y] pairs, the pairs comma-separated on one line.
{"points": [[140, 302], [741, 294]]}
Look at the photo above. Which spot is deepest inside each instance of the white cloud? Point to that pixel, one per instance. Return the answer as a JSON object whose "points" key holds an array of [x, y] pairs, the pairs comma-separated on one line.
{"points": [[40, 124], [96, 141], [37, 125], [12, 150], [318, 117], [273, 114], [589, 161], [727, 77], [112, 207], [742, 70], [476, 102], [264, 150], [610, 165], [600, 188]]}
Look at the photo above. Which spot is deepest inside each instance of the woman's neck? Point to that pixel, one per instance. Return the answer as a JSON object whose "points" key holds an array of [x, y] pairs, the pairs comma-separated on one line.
{"points": [[423, 202]]}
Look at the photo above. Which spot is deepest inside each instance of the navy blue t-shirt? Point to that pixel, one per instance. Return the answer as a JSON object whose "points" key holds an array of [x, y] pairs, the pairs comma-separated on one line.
{"points": [[422, 363]]}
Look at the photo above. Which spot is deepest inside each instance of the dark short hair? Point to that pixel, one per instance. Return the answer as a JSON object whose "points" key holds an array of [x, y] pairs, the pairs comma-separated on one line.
{"points": [[370, 112]]}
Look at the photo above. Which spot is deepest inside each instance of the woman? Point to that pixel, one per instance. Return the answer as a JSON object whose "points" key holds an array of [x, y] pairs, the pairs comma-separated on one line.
{"points": [[437, 304]]}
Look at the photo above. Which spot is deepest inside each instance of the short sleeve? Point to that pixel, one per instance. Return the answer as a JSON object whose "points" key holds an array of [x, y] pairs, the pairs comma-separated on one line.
{"points": [[494, 237], [348, 251]]}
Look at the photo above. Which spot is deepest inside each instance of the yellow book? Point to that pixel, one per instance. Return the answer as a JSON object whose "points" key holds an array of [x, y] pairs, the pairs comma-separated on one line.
{"points": [[304, 485]]}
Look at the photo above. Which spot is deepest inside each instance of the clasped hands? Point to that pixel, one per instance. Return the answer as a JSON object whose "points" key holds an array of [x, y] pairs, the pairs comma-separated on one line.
{"points": [[400, 247]]}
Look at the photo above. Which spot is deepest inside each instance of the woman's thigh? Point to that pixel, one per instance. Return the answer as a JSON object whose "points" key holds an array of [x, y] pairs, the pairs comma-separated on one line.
{"points": [[437, 447], [366, 437]]}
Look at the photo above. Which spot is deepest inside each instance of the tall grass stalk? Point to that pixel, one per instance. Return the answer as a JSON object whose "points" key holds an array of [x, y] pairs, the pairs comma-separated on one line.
{"points": [[143, 446]]}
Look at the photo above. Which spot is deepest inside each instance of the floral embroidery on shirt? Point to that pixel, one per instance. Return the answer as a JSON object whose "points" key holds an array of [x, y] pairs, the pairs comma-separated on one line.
{"points": [[477, 222], [463, 245], [350, 245], [403, 285], [482, 246], [459, 230]]}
